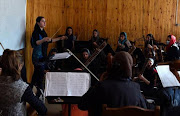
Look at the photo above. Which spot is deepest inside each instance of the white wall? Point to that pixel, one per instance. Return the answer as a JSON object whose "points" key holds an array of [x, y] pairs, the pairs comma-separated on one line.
{"points": [[12, 24]]}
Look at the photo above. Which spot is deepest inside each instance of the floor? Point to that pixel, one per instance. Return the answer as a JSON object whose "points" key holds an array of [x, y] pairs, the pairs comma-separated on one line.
{"points": [[53, 109]]}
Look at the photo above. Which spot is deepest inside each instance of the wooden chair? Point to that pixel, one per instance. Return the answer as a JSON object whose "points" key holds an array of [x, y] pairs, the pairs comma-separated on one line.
{"points": [[130, 111]]}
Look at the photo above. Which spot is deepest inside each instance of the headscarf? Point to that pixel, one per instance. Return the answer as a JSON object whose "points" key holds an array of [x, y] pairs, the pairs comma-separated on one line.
{"points": [[151, 60], [95, 39], [125, 39], [172, 41], [69, 42], [86, 50], [122, 67], [151, 41]]}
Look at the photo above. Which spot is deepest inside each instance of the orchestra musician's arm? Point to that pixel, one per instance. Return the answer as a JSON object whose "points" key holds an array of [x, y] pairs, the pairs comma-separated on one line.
{"points": [[74, 39], [37, 104], [143, 79], [125, 47], [95, 44]]}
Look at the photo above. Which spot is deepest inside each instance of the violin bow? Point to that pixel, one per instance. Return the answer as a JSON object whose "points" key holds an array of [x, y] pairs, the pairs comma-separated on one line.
{"points": [[1, 45], [56, 32]]}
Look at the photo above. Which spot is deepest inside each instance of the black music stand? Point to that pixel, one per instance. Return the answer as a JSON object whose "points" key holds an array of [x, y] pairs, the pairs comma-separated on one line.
{"points": [[79, 45], [65, 99]]}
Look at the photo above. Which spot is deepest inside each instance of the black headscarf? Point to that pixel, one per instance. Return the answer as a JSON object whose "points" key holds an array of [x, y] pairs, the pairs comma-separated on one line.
{"points": [[151, 41], [96, 39]]}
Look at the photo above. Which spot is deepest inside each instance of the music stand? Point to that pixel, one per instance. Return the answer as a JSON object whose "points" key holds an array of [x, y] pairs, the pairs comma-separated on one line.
{"points": [[79, 45], [67, 87]]}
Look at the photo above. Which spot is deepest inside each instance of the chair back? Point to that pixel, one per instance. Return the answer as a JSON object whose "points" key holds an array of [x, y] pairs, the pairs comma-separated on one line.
{"points": [[130, 111]]}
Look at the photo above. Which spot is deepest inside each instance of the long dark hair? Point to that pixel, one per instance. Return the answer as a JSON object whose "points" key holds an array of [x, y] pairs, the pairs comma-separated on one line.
{"points": [[95, 30], [67, 31], [151, 36], [38, 19], [37, 28]]}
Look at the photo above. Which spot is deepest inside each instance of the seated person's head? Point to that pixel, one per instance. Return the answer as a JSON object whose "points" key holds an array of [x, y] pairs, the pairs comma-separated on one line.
{"points": [[123, 36], [86, 53], [69, 31], [95, 33], [149, 37], [53, 51], [150, 63], [11, 64], [122, 65], [171, 39]]}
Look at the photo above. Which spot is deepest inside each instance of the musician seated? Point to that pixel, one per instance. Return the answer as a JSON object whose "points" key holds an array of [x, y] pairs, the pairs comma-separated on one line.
{"points": [[150, 46], [123, 43], [149, 78], [13, 91], [85, 55], [117, 90], [53, 64], [172, 49], [94, 66], [96, 41], [69, 43]]}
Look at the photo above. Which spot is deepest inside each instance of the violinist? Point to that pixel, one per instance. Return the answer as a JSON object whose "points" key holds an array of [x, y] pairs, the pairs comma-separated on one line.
{"points": [[123, 43], [149, 78], [96, 41], [172, 49], [150, 46], [39, 42]]}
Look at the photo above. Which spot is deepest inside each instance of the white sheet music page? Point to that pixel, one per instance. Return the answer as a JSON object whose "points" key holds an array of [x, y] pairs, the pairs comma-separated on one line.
{"points": [[167, 78], [55, 84], [63, 55], [66, 83], [78, 83]]}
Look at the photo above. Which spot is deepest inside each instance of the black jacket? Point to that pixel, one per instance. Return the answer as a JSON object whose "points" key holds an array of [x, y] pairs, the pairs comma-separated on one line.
{"points": [[114, 93]]}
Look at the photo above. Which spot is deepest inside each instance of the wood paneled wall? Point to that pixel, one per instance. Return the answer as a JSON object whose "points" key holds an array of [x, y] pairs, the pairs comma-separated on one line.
{"points": [[110, 17]]}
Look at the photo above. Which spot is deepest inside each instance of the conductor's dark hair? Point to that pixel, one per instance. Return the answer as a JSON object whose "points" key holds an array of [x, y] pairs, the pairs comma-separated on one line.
{"points": [[38, 19]]}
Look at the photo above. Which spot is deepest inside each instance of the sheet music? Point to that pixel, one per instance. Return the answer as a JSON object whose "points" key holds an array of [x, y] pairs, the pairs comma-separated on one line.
{"points": [[55, 84], [167, 78], [66, 83], [78, 84], [63, 55]]}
